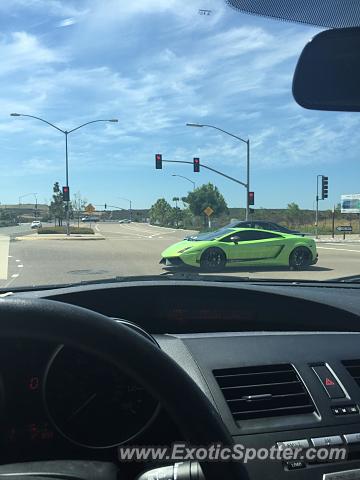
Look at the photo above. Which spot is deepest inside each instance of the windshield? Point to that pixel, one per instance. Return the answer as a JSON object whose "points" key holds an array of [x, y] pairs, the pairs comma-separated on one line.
{"points": [[211, 235], [128, 127]]}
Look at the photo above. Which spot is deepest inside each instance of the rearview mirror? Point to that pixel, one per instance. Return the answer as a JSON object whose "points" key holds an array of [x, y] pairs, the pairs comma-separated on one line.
{"points": [[327, 76], [234, 239]]}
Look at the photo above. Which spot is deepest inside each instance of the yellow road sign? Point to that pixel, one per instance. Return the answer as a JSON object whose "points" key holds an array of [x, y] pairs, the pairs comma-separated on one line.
{"points": [[90, 208], [208, 211]]}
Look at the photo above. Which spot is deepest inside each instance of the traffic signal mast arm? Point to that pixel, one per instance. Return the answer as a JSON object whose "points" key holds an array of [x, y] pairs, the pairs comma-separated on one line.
{"points": [[209, 168]]}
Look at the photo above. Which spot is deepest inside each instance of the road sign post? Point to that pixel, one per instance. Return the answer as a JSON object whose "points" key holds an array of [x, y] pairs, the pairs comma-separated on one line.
{"points": [[344, 229], [208, 212]]}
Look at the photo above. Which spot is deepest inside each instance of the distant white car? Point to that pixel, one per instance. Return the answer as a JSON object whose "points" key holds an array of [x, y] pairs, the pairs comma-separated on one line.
{"points": [[125, 220], [36, 224], [90, 219]]}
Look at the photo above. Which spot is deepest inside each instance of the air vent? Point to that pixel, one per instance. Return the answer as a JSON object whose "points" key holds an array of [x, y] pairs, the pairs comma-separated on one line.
{"points": [[353, 367], [263, 391]]}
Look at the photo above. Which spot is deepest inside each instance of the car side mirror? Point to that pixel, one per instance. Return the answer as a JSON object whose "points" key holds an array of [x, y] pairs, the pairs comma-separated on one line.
{"points": [[327, 75], [235, 239]]}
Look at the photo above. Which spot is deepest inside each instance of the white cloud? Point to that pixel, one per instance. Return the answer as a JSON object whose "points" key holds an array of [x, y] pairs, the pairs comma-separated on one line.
{"points": [[60, 8], [22, 51], [122, 11], [40, 165], [67, 22]]}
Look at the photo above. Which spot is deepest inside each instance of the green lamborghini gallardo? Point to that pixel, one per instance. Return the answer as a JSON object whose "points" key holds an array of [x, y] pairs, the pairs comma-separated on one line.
{"points": [[235, 247]]}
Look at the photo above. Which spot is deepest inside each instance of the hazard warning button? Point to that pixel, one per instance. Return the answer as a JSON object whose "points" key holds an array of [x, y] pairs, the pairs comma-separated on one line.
{"points": [[329, 382]]}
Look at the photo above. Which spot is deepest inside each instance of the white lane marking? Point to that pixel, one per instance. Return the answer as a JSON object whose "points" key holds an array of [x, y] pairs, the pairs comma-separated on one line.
{"points": [[15, 275], [133, 228], [339, 249], [17, 260], [97, 228], [143, 229], [156, 235], [4, 256], [158, 226], [20, 266], [10, 256]]}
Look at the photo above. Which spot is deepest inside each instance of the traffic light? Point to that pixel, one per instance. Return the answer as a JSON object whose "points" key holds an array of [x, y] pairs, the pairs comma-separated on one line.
{"points": [[158, 161], [66, 194], [105, 206], [324, 187], [251, 198], [196, 165]]}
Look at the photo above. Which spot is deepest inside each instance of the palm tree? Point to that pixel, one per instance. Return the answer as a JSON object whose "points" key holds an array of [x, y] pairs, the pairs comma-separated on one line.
{"points": [[184, 201]]}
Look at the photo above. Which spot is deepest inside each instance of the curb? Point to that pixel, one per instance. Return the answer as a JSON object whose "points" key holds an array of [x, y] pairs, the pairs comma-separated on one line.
{"points": [[73, 237]]}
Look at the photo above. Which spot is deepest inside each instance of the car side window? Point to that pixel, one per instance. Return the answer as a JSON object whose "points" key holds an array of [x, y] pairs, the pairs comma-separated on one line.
{"points": [[261, 226], [268, 235], [272, 226], [250, 235]]}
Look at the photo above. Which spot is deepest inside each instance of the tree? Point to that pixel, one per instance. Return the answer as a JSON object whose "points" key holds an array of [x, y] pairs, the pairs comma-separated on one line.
{"points": [[57, 205], [7, 218], [161, 212], [206, 196], [293, 213], [79, 204], [184, 201]]}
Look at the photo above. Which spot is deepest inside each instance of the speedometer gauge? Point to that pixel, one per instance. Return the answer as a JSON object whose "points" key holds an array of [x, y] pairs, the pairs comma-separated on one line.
{"points": [[93, 403]]}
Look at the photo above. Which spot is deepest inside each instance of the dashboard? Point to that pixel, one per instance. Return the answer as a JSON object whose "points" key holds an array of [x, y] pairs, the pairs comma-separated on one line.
{"points": [[280, 363]]}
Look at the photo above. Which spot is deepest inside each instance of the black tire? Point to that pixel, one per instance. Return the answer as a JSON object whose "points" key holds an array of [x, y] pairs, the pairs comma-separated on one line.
{"points": [[300, 258], [213, 260]]}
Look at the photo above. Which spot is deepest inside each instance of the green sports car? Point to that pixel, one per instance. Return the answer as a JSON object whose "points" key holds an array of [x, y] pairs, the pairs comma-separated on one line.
{"points": [[248, 247]]}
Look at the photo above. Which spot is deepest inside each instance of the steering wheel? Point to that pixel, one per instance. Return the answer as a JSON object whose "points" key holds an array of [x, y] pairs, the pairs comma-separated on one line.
{"points": [[134, 354]]}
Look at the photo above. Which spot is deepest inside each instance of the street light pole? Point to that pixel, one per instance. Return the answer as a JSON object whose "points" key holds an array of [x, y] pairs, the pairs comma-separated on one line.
{"points": [[66, 133], [186, 178], [247, 178], [67, 184], [247, 185], [130, 205], [26, 195]]}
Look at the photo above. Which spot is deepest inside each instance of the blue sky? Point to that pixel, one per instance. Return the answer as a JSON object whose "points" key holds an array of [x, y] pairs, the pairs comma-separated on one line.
{"points": [[155, 65]]}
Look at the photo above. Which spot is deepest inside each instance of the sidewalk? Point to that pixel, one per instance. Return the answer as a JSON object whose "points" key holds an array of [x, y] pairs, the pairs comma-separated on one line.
{"points": [[353, 238], [61, 236]]}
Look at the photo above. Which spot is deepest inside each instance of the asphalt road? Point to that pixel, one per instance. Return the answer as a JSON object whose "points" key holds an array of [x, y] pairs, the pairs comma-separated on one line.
{"points": [[133, 249]]}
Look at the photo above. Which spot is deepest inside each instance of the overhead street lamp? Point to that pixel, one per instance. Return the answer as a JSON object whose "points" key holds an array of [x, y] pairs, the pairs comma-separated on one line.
{"points": [[130, 203], [247, 185], [36, 202], [185, 178], [66, 133]]}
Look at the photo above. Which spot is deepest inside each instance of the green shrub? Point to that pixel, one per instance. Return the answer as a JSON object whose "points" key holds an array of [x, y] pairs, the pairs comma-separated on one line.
{"points": [[57, 230]]}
